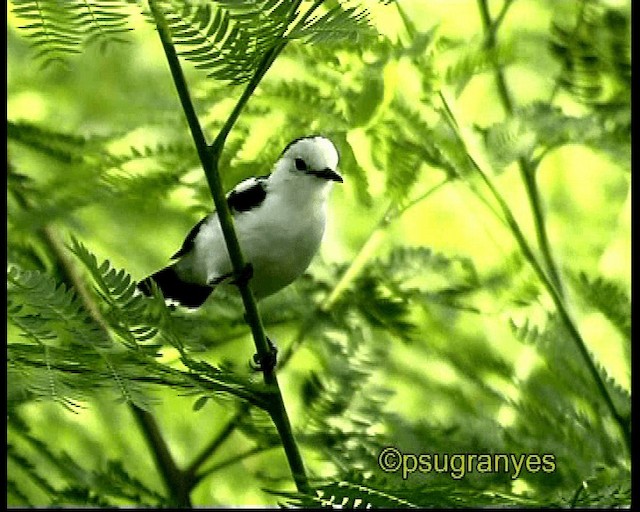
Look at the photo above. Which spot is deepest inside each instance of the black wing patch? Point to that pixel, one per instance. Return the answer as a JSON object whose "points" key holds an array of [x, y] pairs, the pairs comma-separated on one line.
{"points": [[248, 194], [244, 197], [188, 243]]}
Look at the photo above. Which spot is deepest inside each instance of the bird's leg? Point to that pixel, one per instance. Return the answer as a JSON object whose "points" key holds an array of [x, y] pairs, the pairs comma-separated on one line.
{"points": [[244, 275], [266, 363]]}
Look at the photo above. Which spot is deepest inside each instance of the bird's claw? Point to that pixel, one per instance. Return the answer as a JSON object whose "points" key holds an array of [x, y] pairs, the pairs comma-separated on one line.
{"points": [[267, 362], [243, 277]]}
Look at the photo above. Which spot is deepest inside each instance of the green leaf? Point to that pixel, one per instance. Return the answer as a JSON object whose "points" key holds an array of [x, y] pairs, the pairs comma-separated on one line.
{"points": [[336, 25], [59, 29], [228, 39]]}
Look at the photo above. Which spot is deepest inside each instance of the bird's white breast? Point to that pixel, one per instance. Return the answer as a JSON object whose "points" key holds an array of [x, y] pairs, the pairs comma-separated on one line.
{"points": [[279, 238]]}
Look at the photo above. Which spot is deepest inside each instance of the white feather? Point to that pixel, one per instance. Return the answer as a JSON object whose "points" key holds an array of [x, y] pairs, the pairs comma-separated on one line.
{"points": [[281, 235]]}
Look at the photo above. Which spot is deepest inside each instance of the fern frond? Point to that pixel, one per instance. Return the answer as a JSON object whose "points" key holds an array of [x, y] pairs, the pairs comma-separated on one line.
{"points": [[47, 311], [91, 151], [478, 60], [227, 39], [558, 388], [382, 309], [128, 308], [112, 185], [46, 383], [359, 492], [539, 124], [420, 273], [607, 487], [509, 140], [396, 142], [128, 374], [96, 174], [15, 491], [291, 94], [608, 297], [620, 396], [62, 334], [83, 485], [336, 25], [142, 323], [51, 27], [30, 470], [595, 51], [59, 29], [173, 152], [347, 495], [103, 21], [353, 170], [402, 168], [64, 147]]}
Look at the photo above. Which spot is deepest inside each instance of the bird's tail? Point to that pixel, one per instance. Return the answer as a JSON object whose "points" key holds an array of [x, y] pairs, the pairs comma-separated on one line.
{"points": [[187, 294]]}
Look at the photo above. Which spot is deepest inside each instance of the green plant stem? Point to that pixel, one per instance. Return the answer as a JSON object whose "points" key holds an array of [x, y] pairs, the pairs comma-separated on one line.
{"points": [[232, 460], [391, 214], [548, 283], [209, 156], [552, 281], [527, 170], [558, 84], [263, 67], [216, 442], [146, 421], [178, 493], [173, 478]]}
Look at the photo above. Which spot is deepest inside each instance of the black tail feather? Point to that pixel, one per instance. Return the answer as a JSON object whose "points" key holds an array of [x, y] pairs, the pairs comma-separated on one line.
{"points": [[190, 295]]}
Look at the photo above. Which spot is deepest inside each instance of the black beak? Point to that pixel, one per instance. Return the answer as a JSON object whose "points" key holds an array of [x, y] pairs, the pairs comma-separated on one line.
{"points": [[327, 174]]}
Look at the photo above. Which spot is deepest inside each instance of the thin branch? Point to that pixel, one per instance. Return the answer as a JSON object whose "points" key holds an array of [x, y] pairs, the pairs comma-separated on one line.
{"points": [[548, 283], [366, 252], [234, 459], [147, 423], [495, 25], [149, 428], [209, 157], [217, 441], [263, 67], [172, 476], [490, 43], [527, 170]]}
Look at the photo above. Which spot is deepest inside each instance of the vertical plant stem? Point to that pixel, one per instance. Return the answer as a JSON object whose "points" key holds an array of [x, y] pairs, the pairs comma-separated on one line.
{"points": [[552, 281], [164, 461], [233, 460], [366, 251], [209, 156], [527, 171], [217, 441], [548, 283], [173, 478]]}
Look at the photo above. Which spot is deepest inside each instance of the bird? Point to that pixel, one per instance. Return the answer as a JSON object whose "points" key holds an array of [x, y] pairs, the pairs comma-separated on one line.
{"points": [[279, 218]]}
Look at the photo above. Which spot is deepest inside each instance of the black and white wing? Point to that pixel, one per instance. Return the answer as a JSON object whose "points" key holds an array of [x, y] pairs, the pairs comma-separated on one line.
{"points": [[245, 196], [188, 243]]}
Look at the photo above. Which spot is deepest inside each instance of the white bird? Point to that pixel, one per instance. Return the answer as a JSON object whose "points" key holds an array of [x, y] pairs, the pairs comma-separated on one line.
{"points": [[279, 219]]}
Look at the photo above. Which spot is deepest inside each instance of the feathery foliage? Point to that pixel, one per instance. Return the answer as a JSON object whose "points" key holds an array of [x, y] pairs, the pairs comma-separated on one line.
{"points": [[420, 326], [60, 28]]}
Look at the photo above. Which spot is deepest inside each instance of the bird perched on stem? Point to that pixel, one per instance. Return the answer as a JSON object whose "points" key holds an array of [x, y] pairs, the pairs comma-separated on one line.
{"points": [[279, 220]]}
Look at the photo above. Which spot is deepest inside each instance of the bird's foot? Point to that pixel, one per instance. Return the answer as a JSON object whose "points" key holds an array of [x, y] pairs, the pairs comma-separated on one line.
{"points": [[267, 362], [243, 277]]}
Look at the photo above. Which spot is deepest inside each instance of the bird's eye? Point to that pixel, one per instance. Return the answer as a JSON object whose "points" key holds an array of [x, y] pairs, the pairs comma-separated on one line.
{"points": [[300, 165]]}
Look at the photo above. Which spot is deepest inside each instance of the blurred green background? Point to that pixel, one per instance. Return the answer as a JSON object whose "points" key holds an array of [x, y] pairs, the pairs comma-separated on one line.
{"points": [[444, 369]]}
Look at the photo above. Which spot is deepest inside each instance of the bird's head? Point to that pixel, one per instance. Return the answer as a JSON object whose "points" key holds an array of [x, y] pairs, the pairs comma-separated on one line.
{"points": [[314, 157]]}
